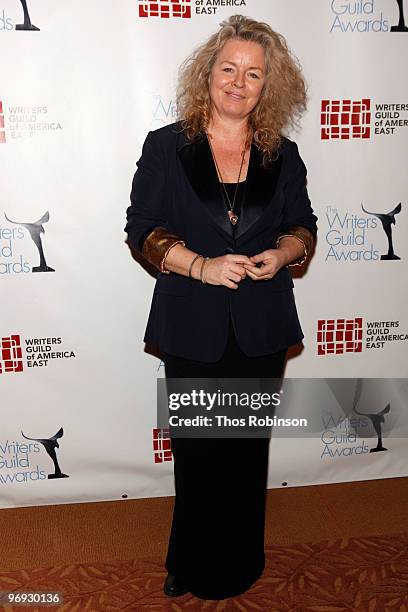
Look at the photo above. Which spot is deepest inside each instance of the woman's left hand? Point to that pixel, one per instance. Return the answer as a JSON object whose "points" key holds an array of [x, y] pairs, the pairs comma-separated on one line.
{"points": [[271, 261]]}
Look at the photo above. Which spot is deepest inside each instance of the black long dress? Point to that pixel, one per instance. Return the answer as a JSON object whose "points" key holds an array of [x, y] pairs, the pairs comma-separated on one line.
{"points": [[216, 546]]}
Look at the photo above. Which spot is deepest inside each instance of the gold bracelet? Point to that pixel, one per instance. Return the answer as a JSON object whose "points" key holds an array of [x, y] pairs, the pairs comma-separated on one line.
{"points": [[202, 279], [303, 259], [163, 261], [191, 265]]}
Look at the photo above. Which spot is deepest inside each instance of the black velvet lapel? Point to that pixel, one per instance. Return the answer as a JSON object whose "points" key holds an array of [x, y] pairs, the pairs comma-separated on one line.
{"points": [[199, 166], [260, 185], [260, 189]]}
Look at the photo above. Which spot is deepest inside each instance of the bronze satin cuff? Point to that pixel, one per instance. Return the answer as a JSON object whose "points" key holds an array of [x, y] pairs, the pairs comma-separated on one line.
{"points": [[304, 236], [157, 246]]}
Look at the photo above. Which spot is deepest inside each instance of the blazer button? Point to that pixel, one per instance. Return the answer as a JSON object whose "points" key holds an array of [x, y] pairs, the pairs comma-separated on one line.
{"points": [[229, 250]]}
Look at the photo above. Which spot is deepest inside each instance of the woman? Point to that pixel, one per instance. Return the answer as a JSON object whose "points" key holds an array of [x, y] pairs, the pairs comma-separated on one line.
{"points": [[220, 207]]}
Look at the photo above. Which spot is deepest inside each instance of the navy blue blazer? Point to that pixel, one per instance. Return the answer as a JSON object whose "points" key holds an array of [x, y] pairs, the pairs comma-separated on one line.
{"points": [[176, 186]]}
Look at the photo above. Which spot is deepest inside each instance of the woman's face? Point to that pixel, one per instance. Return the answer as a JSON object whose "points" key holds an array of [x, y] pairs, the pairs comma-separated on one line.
{"points": [[237, 79]]}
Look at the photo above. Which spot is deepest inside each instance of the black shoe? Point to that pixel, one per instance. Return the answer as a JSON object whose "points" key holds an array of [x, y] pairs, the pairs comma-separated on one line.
{"points": [[172, 588]]}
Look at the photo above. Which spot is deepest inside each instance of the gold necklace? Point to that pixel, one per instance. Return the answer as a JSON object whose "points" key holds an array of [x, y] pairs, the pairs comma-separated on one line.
{"points": [[233, 217]]}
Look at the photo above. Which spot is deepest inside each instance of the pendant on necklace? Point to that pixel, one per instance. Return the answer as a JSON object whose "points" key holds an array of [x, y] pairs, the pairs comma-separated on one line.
{"points": [[232, 217]]}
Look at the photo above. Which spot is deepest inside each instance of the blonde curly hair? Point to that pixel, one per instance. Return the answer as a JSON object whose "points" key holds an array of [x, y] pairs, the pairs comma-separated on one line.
{"points": [[283, 98]]}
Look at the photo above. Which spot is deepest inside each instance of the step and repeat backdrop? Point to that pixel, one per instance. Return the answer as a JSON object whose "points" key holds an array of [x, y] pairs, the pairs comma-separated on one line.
{"points": [[81, 85]]}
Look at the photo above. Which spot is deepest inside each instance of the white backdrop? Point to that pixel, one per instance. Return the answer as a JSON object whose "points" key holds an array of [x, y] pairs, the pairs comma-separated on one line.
{"points": [[77, 99]]}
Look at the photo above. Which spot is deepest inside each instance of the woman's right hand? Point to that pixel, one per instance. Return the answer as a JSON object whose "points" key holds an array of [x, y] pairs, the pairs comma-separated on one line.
{"points": [[227, 270]]}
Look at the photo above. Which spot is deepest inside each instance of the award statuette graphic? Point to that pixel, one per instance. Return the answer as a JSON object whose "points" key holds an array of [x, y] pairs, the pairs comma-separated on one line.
{"points": [[27, 25], [50, 444], [35, 230], [387, 219], [401, 27], [376, 420]]}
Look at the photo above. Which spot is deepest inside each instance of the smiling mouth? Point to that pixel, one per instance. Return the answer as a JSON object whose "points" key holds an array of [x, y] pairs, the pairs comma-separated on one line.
{"points": [[235, 96]]}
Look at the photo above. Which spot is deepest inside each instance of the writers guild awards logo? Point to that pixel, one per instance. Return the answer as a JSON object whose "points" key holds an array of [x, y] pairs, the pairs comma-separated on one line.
{"points": [[401, 27], [35, 230], [27, 25], [50, 444], [387, 220]]}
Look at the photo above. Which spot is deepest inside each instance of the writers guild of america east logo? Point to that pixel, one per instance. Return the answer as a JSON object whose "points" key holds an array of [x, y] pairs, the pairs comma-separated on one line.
{"points": [[347, 119], [341, 336], [165, 9], [18, 354], [184, 9], [162, 445]]}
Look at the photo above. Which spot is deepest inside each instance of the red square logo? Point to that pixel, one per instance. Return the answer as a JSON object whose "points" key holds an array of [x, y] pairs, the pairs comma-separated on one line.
{"points": [[354, 119], [162, 445], [165, 8], [10, 354], [337, 336]]}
